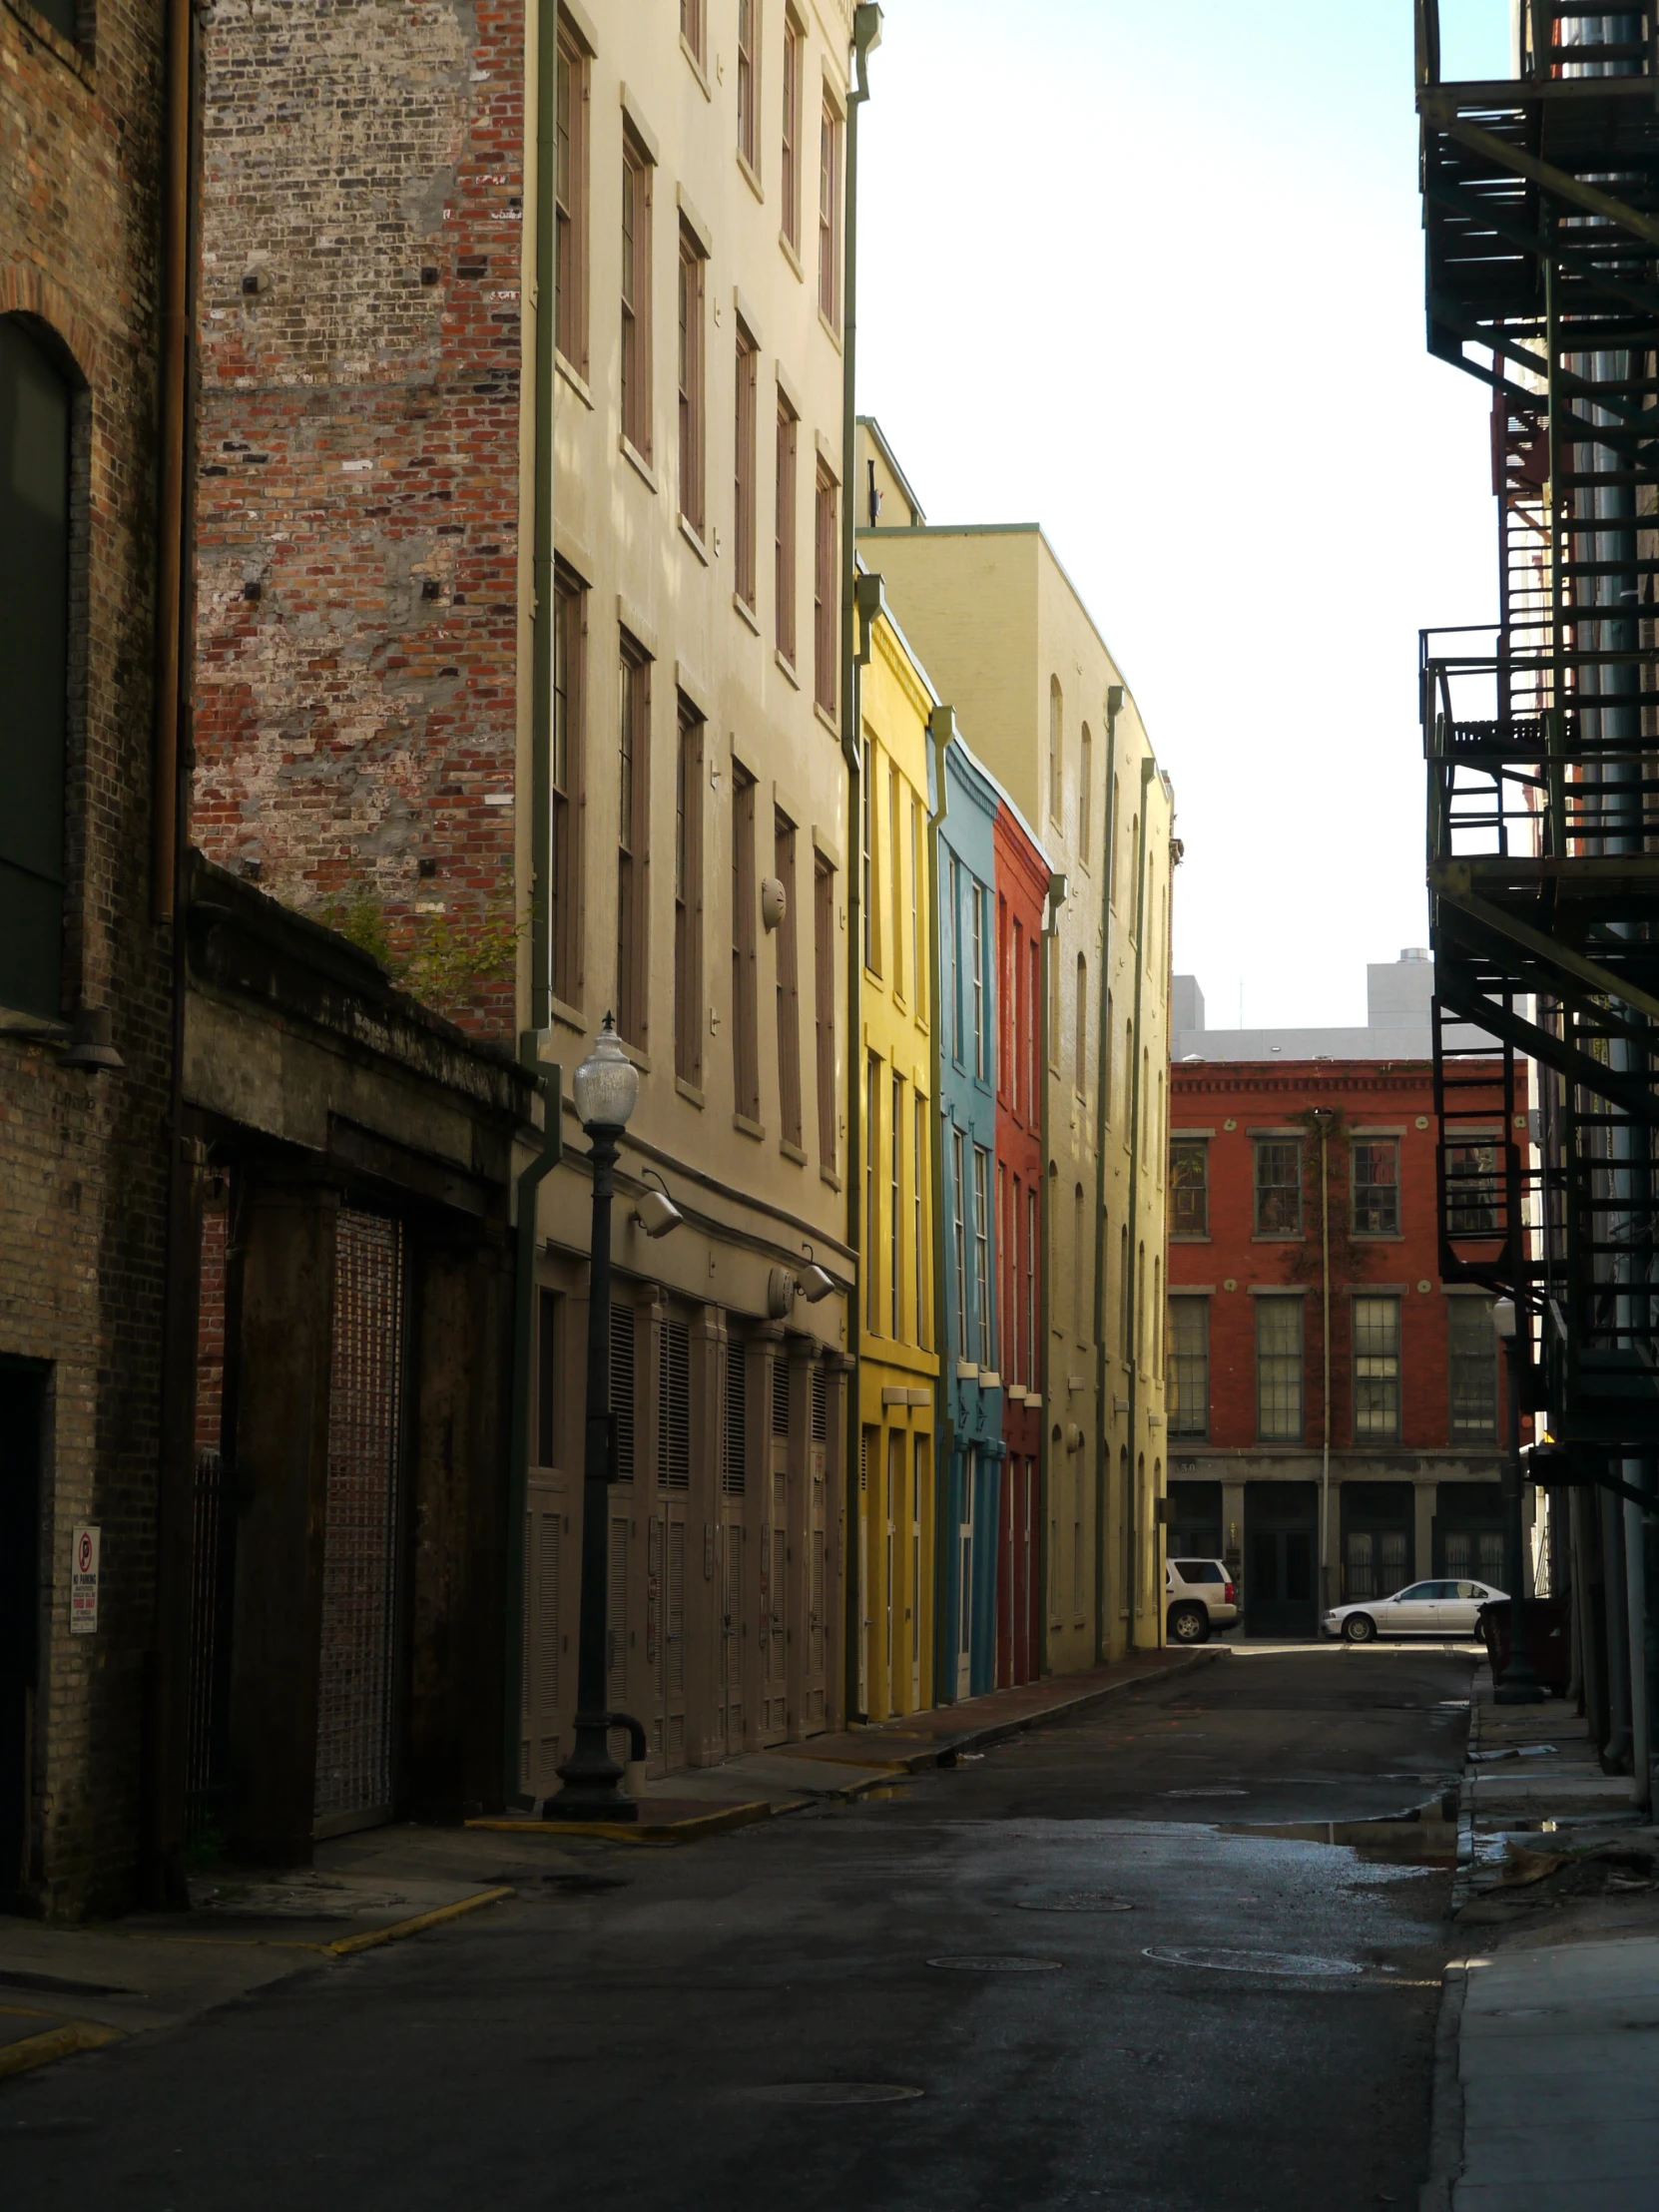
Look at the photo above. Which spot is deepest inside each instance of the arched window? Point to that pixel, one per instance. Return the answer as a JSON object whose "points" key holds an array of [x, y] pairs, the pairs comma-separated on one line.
{"points": [[35, 417], [1082, 1025], [1077, 1268], [1085, 792], [1056, 785]]}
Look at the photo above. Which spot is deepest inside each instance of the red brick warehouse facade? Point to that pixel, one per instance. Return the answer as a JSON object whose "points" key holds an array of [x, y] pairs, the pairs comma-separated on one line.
{"points": [[1414, 1378], [358, 505]]}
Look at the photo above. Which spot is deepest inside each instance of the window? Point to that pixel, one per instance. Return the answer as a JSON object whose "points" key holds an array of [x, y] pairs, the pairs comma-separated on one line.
{"points": [[748, 77], [1125, 1306], [674, 1405], [746, 1058], [1376, 1188], [1189, 1185], [825, 598], [1081, 1072], [691, 380], [1056, 785], [784, 533], [636, 296], [1031, 1289], [1085, 793], [953, 953], [1471, 1343], [828, 202], [976, 906], [867, 859], [788, 984], [633, 802], [564, 891], [548, 1304], [872, 1097], [1077, 1267], [795, 41], [958, 1236], [1278, 1369], [1189, 1364], [691, 27], [570, 204], [1278, 1187], [744, 470], [895, 1194], [1106, 1035], [1019, 1076], [919, 1159], [35, 434], [1054, 1004], [824, 1006], [1005, 1002], [1375, 1367], [896, 865], [1007, 1273], [733, 1439], [916, 971], [1474, 1189], [1034, 1102], [688, 895], [982, 1253]]}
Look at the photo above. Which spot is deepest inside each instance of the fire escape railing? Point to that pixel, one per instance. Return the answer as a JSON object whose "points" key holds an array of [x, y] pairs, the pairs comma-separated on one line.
{"points": [[1542, 733]]}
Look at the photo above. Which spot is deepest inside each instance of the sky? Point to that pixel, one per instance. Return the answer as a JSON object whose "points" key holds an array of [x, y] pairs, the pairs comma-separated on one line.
{"points": [[1152, 277]]}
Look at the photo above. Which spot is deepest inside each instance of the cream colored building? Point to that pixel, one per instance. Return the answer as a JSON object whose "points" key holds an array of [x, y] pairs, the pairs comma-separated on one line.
{"points": [[1009, 643], [694, 874]]}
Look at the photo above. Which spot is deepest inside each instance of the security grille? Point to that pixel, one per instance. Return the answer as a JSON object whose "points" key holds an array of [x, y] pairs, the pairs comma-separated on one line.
{"points": [[673, 1401], [354, 1688], [734, 1429], [621, 1388]]}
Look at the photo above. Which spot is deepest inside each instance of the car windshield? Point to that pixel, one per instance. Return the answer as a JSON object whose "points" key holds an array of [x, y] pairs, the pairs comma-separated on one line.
{"points": [[1198, 1570]]}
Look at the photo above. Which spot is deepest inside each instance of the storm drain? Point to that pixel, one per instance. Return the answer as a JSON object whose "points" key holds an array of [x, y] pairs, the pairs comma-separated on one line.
{"points": [[995, 1962], [1076, 1900], [832, 2093], [1298, 1966]]}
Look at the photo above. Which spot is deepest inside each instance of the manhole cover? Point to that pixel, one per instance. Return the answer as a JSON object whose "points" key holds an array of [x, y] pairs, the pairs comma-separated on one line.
{"points": [[832, 2093], [1076, 1900], [1296, 1964], [1207, 1793], [991, 1962]]}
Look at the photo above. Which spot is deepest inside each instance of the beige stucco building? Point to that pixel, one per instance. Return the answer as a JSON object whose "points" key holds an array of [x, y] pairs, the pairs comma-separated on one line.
{"points": [[695, 863], [1009, 643]]}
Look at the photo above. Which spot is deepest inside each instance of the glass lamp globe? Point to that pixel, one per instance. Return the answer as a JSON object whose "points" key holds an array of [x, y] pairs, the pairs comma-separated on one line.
{"points": [[606, 1086]]}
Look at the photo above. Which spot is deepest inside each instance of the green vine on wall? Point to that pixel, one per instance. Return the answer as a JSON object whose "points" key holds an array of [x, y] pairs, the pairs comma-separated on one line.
{"points": [[445, 960]]}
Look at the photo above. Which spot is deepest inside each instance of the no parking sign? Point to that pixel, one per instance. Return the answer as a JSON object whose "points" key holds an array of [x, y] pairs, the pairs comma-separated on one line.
{"points": [[83, 1580]]}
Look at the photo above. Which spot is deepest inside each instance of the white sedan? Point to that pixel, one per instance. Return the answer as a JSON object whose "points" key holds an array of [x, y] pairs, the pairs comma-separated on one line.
{"points": [[1420, 1609]]}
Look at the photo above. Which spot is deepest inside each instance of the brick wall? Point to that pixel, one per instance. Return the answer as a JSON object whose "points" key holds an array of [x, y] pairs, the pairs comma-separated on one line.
{"points": [[82, 1157], [357, 505]]}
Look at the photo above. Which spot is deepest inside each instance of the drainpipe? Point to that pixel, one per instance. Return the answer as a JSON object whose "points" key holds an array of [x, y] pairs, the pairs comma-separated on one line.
{"points": [[864, 604], [941, 728], [866, 36], [542, 600], [1102, 1055], [1324, 1116], [179, 213], [549, 1082], [1057, 887], [1132, 1287]]}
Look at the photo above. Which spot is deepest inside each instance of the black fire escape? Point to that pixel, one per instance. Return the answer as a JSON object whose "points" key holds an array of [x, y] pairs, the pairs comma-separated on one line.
{"points": [[1541, 211]]}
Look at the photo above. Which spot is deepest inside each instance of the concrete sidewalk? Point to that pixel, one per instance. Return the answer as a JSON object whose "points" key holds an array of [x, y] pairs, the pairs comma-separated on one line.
{"points": [[1548, 2046]]}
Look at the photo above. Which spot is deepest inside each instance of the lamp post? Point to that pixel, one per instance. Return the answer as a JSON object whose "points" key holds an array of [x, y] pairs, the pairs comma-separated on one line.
{"points": [[604, 1088], [1520, 1685]]}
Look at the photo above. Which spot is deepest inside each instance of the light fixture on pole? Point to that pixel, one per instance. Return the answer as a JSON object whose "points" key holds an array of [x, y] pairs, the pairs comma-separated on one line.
{"points": [[1520, 1684], [605, 1089]]}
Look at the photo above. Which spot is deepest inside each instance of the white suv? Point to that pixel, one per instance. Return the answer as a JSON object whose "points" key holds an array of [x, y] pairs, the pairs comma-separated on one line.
{"points": [[1198, 1596]]}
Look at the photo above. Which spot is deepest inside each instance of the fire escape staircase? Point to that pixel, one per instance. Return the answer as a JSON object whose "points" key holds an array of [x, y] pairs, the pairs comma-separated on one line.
{"points": [[1541, 216]]}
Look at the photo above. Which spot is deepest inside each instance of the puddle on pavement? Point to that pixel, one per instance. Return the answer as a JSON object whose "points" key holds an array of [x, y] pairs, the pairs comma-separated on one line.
{"points": [[1424, 1842]]}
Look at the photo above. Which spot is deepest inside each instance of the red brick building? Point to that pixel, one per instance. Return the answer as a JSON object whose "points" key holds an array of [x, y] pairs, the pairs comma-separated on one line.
{"points": [[1297, 1189]]}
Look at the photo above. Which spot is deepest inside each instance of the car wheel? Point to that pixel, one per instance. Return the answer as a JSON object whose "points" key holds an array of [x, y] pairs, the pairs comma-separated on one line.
{"points": [[1189, 1624], [1358, 1628]]}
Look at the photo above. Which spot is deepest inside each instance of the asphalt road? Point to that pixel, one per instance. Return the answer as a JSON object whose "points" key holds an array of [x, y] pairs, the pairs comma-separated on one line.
{"points": [[1097, 1995]]}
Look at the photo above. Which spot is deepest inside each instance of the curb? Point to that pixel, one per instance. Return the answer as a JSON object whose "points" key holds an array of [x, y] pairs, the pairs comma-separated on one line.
{"points": [[1445, 2125], [348, 1945], [716, 1822], [54, 2043]]}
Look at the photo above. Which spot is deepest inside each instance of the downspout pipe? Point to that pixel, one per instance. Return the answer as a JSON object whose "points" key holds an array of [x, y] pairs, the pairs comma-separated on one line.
{"points": [[1133, 1287], [1057, 888], [942, 729], [866, 36], [178, 228], [549, 1082], [865, 601], [1102, 1060], [1324, 1116]]}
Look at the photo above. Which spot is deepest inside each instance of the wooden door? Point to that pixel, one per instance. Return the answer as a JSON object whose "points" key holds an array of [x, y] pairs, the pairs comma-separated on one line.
{"points": [[665, 1618], [731, 1549], [965, 1579], [774, 1561], [912, 1613], [815, 1681], [545, 1641]]}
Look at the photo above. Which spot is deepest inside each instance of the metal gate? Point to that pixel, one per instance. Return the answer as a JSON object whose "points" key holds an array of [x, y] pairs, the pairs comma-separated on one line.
{"points": [[665, 1616], [360, 1555]]}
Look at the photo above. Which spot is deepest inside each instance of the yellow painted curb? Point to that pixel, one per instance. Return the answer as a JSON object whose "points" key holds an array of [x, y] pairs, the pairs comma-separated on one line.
{"points": [[714, 1823], [435, 1918], [54, 2043]]}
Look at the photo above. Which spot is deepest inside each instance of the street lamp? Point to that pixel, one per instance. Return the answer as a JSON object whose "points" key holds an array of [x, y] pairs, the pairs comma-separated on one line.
{"points": [[605, 1087], [1520, 1684]]}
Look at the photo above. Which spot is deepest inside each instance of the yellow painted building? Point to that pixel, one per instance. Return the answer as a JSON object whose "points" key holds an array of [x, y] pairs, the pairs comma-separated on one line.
{"points": [[898, 1363], [1003, 630]]}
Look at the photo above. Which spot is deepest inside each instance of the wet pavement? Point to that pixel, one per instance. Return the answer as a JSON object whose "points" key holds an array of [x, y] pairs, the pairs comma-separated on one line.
{"points": [[1068, 1972]]}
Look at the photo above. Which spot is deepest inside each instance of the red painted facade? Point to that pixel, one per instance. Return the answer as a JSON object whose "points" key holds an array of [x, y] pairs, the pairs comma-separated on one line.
{"points": [[1021, 890]]}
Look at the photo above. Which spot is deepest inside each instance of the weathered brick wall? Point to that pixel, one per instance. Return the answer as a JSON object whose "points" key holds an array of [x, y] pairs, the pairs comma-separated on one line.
{"points": [[83, 1157], [358, 508]]}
